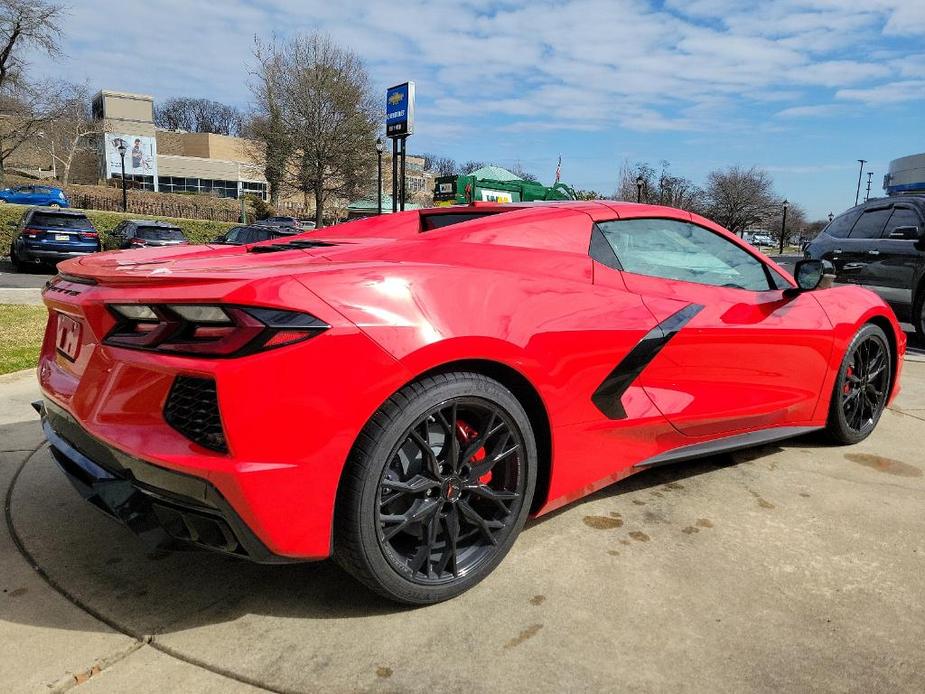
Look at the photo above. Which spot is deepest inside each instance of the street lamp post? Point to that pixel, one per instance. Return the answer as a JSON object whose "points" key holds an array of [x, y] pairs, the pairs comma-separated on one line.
{"points": [[783, 226], [869, 175], [857, 195], [124, 192], [379, 148], [639, 182]]}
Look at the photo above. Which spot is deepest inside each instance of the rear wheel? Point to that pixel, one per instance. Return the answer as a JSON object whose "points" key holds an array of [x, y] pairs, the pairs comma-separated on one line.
{"points": [[862, 386], [437, 489], [15, 261]]}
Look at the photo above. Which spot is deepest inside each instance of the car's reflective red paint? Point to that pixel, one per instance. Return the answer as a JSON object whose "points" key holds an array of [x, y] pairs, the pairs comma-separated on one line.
{"points": [[516, 291]]}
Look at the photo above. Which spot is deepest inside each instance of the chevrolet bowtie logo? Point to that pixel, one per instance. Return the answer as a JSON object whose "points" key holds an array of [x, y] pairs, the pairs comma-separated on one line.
{"points": [[396, 98]]}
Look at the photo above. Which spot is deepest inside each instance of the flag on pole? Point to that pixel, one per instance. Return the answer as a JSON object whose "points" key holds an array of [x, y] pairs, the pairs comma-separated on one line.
{"points": [[559, 168]]}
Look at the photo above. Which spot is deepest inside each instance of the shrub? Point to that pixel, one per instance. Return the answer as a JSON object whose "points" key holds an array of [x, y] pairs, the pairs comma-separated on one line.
{"points": [[196, 230]]}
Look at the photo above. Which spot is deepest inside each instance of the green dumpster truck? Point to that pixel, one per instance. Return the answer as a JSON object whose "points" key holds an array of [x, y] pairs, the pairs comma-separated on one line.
{"points": [[461, 190]]}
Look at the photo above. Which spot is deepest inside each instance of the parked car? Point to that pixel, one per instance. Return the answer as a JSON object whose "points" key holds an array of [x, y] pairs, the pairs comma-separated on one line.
{"points": [[138, 233], [880, 245], [41, 195], [281, 221], [49, 236], [254, 233], [762, 240], [403, 391]]}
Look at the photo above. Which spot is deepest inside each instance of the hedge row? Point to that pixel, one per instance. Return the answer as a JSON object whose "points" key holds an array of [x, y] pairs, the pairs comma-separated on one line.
{"points": [[196, 230]]}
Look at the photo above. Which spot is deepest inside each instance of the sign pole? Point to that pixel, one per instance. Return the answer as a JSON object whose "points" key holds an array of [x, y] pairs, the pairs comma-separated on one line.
{"points": [[394, 175], [404, 146]]}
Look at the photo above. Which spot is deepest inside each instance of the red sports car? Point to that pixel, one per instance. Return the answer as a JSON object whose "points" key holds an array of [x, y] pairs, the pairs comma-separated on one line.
{"points": [[401, 392]]}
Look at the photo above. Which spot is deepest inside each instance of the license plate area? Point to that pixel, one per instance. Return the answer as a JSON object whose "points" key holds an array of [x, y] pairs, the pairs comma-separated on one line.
{"points": [[62, 237], [67, 338]]}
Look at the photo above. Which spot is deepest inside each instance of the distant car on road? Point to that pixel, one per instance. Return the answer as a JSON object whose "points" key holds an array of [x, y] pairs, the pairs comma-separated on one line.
{"points": [[49, 236], [137, 233], [880, 244], [762, 240], [45, 196], [254, 233]]}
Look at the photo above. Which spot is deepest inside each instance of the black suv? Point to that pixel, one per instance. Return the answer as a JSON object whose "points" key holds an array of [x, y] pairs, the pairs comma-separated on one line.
{"points": [[254, 233], [881, 245], [138, 233]]}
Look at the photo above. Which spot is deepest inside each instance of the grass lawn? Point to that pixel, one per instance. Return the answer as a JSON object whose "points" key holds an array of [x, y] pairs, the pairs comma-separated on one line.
{"points": [[21, 331]]}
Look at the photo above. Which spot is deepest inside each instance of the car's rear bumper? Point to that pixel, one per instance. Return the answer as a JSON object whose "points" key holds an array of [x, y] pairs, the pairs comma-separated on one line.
{"points": [[35, 254], [164, 507]]}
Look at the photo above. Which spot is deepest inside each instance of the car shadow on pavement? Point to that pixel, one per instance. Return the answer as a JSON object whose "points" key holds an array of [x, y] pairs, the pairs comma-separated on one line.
{"points": [[100, 566]]}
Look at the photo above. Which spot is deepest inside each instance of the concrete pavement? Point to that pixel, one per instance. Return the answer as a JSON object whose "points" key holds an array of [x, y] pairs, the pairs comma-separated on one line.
{"points": [[792, 567]]}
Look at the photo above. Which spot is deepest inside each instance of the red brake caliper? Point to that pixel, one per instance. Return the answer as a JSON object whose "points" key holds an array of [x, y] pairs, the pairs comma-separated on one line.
{"points": [[847, 387], [466, 435]]}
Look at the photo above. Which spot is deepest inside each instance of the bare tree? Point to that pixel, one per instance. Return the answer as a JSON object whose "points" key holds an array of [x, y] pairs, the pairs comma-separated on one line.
{"points": [[199, 116], [660, 187], [323, 102], [267, 128], [471, 166], [740, 198], [440, 166], [74, 130], [25, 106], [523, 174]]}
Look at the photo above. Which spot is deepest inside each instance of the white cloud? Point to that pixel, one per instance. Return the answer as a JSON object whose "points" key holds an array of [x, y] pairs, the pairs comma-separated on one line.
{"points": [[534, 65], [890, 93]]}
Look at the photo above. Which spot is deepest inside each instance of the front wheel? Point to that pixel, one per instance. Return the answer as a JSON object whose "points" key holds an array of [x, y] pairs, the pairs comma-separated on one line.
{"points": [[862, 387], [437, 488]]}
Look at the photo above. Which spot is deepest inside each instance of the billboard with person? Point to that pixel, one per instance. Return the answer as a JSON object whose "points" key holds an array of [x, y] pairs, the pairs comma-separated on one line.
{"points": [[140, 155]]}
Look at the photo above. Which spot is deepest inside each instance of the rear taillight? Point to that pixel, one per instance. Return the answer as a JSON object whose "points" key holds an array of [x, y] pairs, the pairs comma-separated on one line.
{"points": [[208, 330], [89, 235], [32, 233], [138, 242]]}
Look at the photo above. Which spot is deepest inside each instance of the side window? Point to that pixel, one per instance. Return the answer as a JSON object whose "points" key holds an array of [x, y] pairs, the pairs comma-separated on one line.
{"points": [[902, 217], [678, 250], [870, 224], [840, 227]]}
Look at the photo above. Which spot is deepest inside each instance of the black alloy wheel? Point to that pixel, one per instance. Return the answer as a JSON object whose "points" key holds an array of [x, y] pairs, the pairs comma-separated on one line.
{"points": [[862, 387], [437, 488], [452, 490]]}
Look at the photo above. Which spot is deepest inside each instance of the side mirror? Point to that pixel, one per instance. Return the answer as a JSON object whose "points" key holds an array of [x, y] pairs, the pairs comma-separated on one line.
{"points": [[905, 233], [812, 274]]}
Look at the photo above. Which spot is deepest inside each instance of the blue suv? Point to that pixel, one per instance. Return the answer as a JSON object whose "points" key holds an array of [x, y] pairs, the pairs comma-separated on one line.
{"points": [[35, 195], [51, 236]]}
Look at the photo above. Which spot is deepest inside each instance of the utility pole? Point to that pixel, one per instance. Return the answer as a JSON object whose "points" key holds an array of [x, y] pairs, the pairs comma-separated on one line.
{"points": [[857, 195], [867, 197], [783, 226]]}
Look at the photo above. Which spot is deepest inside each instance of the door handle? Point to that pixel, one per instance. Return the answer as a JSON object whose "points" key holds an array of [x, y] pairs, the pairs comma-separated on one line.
{"points": [[873, 251], [837, 251], [851, 267]]}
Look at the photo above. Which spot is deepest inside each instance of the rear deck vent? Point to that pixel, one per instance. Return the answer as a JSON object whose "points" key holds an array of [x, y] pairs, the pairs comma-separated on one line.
{"points": [[192, 409]]}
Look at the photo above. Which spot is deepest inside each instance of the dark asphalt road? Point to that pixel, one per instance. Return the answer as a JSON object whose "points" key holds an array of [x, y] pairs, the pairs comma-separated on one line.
{"points": [[35, 279]]}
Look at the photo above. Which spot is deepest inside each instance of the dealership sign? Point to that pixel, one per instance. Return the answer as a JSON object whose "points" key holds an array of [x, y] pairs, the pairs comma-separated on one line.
{"points": [[399, 110], [140, 155]]}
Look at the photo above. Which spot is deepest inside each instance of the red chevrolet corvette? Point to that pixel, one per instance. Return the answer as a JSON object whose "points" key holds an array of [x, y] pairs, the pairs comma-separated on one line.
{"points": [[401, 392]]}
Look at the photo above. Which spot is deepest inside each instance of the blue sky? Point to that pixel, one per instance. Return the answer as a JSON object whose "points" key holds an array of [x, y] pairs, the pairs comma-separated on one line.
{"points": [[802, 88]]}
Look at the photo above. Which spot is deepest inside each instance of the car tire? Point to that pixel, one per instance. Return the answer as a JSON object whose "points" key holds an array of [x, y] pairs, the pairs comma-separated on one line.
{"points": [[15, 261], [918, 315], [429, 545], [862, 387]]}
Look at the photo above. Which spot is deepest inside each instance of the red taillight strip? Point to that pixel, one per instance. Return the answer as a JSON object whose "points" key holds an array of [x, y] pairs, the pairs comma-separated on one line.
{"points": [[250, 330]]}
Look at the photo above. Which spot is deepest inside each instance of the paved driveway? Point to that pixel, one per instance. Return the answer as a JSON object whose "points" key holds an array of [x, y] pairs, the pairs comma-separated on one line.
{"points": [[795, 567]]}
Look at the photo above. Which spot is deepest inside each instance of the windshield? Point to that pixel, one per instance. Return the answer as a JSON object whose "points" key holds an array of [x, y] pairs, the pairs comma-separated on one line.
{"points": [[156, 233], [60, 221]]}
